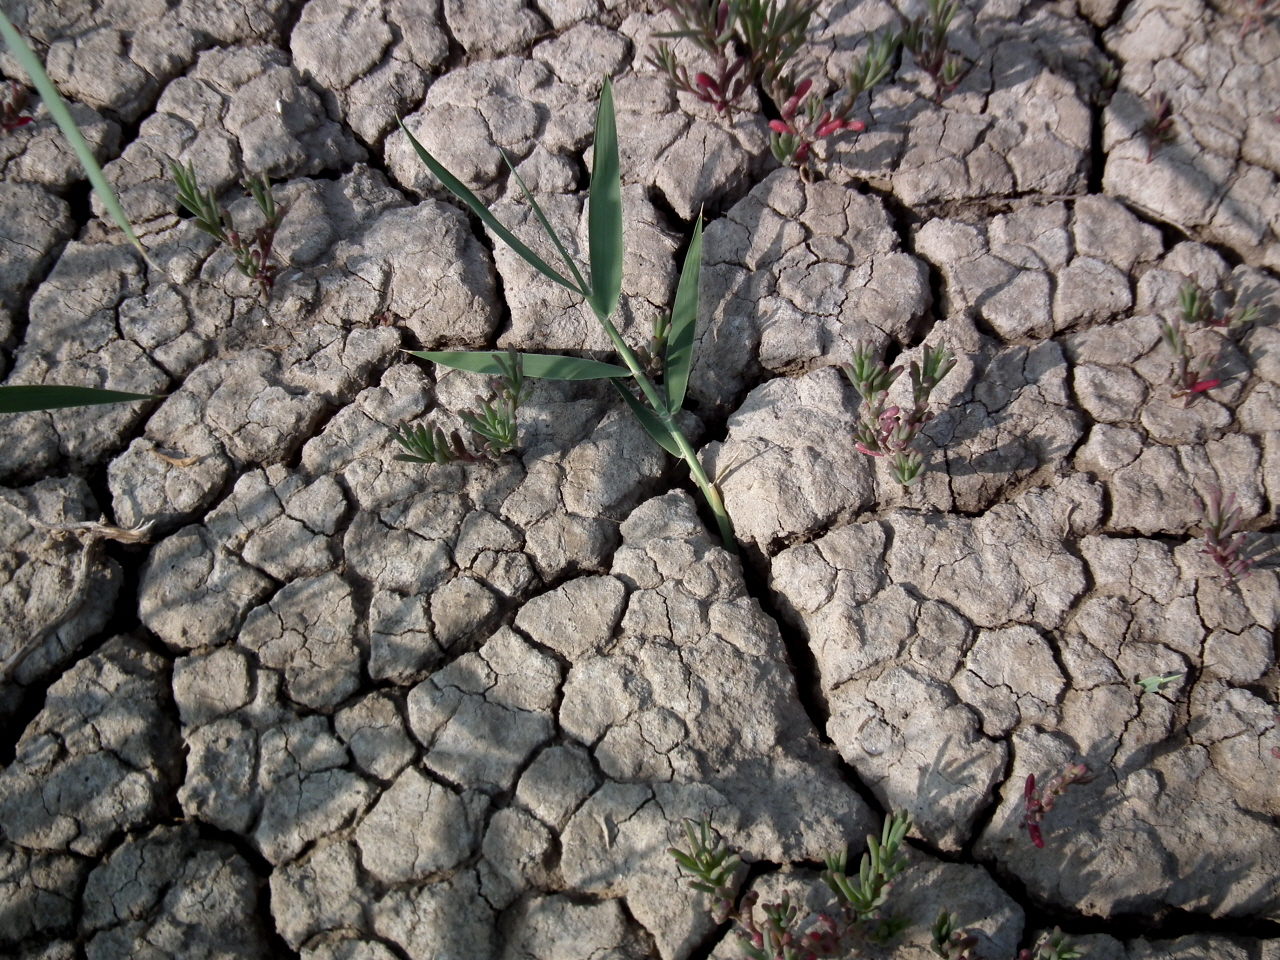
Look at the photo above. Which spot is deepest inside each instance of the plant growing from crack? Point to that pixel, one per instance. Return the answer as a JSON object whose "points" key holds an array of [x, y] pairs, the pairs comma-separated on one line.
{"points": [[1196, 307], [889, 431], [658, 404], [1254, 15], [804, 121], [1223, 541], [926, 37], [780, 935], [1157, 128], [252, 257], [1036, 804], [1190, 376], [494, 428], [769, 32]]}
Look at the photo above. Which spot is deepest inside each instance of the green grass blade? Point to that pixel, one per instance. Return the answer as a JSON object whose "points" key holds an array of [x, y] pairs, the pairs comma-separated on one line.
{"points": [[62, 117], [546, 224], [684, 324], [22, 399], [459, 190], [604, 216], [537, 365], [649, 420]]}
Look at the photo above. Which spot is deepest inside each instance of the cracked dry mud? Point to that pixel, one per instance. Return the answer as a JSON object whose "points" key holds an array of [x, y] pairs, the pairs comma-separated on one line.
{"points": [[339, 707]]}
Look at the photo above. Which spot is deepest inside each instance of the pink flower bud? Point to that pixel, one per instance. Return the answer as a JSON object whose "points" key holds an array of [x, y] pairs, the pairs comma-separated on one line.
{"points": [[857, 126], [803, 88], [830, 127], [1204, 385], [777, 126], [704, 80]]}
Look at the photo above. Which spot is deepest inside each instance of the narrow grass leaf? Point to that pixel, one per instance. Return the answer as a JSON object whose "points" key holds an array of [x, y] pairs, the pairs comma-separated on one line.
{"points": [[536, 365], [62, 117], [649, 420], [546, 225], [22, 399], [684, 324], [459, 190], [604, 216]]}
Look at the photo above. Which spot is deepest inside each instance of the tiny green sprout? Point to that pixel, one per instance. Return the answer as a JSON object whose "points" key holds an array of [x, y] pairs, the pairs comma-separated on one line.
{"points": [[950, 943], [1051, 946], [430, 445], [1158, 682]]}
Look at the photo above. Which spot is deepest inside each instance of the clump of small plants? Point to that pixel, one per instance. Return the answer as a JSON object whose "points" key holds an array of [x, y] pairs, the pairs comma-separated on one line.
{"points": [[926, 37], [1157, 128], [804, 120], [1192, 375], [885, 431], [751, 43], [1037, 803], [252, 254], [13, 100], [1223, 541], [787, 931], [784, 931], [1197, 307], [769, 33], [952, 944], [494, 429]]}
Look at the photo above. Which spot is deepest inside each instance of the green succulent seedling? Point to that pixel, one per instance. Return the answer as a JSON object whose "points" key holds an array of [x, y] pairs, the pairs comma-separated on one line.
{"points": [[658, 404], [1158, 682], [26, 398]]}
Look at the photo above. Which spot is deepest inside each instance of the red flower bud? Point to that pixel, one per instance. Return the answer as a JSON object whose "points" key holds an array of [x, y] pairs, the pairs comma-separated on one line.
{"points": [[1029, 789], [802, 152], [777, 126], [830, 127], [1204, 385], [803, 88], [704, 80], [857, 126]]}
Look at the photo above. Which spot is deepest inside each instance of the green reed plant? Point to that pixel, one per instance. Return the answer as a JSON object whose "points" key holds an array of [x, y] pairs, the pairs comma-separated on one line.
{"points": [[22, 398], [655, 404]]}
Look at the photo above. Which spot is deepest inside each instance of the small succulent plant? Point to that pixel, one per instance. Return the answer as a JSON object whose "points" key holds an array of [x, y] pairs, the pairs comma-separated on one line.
{"points": [[804, 120], [948, 942], [926, 37], [1157, 128], [1035, 804], [1197, 307], [1223, 541], [768, 32], [781, 935], [1190, 375], [1156, 683], [253, 257], [889, 431], [1052, 946]]}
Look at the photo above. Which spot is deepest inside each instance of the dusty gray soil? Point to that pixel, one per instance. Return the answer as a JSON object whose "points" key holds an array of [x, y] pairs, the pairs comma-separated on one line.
{"points": [[339, 707]]}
